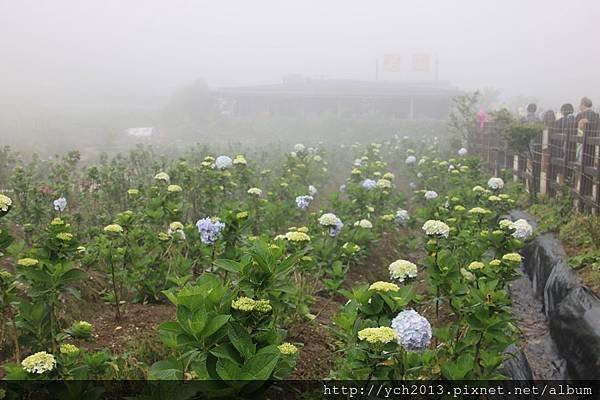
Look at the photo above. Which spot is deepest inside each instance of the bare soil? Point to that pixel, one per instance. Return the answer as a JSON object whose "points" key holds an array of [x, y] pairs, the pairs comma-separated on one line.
{"points": [[137, 321]]}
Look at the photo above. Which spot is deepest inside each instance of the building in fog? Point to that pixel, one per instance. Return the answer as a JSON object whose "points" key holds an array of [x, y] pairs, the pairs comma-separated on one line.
{"points": [[344, 98]]}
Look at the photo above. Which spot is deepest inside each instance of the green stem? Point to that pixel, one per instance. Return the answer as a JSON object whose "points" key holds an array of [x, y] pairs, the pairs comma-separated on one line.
{"points": [[16, 341], [114, 283], [52, 326]]}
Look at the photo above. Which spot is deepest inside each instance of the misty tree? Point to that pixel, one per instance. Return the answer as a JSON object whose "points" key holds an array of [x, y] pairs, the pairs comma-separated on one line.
{"points": [[462, 117], [488, 98], [193, 104], [518, 136]]}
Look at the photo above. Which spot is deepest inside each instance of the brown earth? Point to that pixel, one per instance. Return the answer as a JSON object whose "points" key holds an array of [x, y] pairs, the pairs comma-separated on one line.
{"points": [[137, 321]]}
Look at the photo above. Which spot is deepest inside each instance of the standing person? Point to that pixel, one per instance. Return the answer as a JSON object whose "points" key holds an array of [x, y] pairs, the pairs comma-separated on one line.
{"points": [[531, 113], [566, 112], [586, 118], [548, 118], [586, 114], [565, 125], [483, 118]]}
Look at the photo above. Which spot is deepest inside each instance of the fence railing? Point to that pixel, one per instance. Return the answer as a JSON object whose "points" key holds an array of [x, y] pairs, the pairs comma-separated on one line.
{"points": [[564, 157]]}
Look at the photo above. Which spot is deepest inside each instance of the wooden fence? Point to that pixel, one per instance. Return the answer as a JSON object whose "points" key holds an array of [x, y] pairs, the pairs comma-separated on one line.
{"points": [[562, 159]]}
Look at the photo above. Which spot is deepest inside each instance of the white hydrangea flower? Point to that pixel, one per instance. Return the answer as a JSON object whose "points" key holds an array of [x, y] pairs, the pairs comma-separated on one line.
{"points": [[255, 191], [364, 223], [384, 184], [332, 222], [410, 160], [357, 162], [60, 204], [413, 186], [162, 176], [328, 219], [299, 147], [462, 151], [312, 190], [402, 269], [495, 183], [176, 230], [413, 331], [5, 202], [436, 228], [223, 162], [430, 195], [240, 160], [522, 229], [39, 363]]}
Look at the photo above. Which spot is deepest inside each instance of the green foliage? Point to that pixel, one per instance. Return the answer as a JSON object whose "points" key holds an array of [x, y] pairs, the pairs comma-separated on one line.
{"points": [[131, 236], [237, 349], [516, 134]]}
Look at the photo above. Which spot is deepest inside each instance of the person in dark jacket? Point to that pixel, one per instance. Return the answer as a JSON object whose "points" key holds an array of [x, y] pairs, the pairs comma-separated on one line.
{"points": [[531, 114], [565, 125], [548, 118]]}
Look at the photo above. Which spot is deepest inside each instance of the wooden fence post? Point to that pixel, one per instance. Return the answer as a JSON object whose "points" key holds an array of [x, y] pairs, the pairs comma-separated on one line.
{"points": [[515, 168], [545, 163]]}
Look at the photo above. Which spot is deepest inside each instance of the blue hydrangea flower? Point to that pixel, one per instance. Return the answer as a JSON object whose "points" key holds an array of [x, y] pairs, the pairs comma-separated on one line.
{"points": [[336, 229], [369, 184], [402, 217], [210, 230], [412, 330], [303, 202]]}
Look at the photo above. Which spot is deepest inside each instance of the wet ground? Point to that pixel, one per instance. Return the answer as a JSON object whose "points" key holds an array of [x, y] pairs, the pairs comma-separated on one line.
{"points": [[536, 343]]}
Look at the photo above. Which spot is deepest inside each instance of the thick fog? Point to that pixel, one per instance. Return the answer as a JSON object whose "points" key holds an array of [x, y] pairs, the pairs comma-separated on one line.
{"points": [[77, 53]]}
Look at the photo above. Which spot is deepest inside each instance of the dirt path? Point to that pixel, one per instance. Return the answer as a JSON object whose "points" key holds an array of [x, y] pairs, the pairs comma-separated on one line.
{"points": [[536, 342]]}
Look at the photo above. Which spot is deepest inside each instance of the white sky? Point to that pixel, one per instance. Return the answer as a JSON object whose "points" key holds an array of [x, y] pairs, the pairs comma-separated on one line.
{"points": [[55, 52]]}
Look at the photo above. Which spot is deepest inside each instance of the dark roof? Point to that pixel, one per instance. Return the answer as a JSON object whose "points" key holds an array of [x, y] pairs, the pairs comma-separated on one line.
{"points": [[346, 88]]}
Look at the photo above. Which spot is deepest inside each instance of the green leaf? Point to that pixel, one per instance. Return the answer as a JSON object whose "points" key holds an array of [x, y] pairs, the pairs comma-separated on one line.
{"points": [[168, 332], [228, 265], [73, 275], [166, 370], [262, 364], [227, 351], [228, 370], [241, 340], [193, 322], [171, 296], [215, 324], [460, 368]]}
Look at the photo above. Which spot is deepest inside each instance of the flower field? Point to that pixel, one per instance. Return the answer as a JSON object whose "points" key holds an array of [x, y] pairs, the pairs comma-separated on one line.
{"points": [[386, 261]]}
